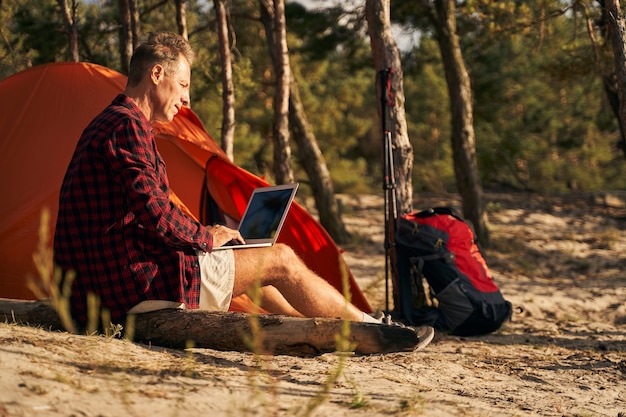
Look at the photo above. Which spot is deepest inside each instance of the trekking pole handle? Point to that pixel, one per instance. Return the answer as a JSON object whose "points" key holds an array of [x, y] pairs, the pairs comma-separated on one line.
{"points": [[386, 96]]}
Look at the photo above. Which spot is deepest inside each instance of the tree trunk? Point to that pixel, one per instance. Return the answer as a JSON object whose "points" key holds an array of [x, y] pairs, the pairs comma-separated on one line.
{"points": [[126, 35], [273, 17], [461, 109], [69, 19], [181, 18], [228, 331], [228, 87], [134, 22], [316, 168], [617, 33], [609, 78], [386, 55]]}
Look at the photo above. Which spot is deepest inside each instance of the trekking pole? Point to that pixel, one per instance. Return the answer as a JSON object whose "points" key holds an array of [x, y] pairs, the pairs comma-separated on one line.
{"points": [[389, 181]]}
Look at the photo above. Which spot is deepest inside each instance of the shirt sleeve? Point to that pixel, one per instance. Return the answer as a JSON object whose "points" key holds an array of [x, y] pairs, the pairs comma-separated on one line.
{"points": [[140, 170]]}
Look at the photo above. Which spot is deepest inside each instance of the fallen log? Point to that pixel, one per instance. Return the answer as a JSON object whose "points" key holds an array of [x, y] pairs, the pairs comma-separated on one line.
{"points": [[232, 331]]}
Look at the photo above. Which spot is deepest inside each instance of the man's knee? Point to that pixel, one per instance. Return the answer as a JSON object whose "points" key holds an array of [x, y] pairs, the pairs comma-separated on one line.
{"points": [[284, 252], [286, 264]]}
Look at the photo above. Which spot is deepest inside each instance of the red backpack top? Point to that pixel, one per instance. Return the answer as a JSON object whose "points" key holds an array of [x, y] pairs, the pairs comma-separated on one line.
{"points": [[461, 242]]}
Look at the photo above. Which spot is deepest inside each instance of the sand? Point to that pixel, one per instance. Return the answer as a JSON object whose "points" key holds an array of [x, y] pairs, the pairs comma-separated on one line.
{"points": [[559, 260]]}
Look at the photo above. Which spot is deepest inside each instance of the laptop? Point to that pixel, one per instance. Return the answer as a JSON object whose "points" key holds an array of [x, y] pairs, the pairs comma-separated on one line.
{"points": [[264, 216]]}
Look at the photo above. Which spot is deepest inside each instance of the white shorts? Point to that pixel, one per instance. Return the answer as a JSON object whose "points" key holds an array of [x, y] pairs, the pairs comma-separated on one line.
{"points": [[217, 270], [217, 279]]}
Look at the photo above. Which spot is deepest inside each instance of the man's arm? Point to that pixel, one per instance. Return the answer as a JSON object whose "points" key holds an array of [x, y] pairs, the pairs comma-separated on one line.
{"points": [[141, 173]]}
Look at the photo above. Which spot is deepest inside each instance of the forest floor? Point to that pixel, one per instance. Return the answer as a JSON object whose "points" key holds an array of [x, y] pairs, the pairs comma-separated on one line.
{"points": [[559, 259]]}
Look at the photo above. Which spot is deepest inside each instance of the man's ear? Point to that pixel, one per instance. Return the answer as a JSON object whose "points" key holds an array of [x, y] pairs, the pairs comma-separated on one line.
{"points": [[157, 73]]}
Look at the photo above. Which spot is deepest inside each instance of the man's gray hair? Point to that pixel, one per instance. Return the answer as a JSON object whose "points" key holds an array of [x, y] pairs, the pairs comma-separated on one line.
{"points": [[160, 48]]}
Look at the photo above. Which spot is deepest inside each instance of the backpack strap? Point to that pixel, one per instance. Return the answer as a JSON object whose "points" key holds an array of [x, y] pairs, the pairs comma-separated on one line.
{"points": [[417, 262]]}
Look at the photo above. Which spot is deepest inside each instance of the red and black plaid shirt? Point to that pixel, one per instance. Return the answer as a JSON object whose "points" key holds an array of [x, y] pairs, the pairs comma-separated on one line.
{"points": [[116, 226]]}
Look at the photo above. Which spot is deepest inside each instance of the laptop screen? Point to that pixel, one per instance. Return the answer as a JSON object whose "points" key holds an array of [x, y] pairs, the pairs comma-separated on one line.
{"points": [[264, 214]]}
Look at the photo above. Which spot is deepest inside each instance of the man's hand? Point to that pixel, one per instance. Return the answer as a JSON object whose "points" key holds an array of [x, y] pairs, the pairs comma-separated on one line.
{"points": [[222, 234]]}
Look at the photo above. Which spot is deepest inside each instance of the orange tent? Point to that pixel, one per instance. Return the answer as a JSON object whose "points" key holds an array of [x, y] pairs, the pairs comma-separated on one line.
{"points": [[45, 111]]}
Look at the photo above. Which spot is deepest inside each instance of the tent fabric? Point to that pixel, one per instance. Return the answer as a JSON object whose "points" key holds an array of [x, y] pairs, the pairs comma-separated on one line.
{"points": [[45, 110]]}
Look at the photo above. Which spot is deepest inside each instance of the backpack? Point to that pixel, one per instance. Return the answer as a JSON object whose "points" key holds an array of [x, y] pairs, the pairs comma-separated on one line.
{"points": [[437, 245]]}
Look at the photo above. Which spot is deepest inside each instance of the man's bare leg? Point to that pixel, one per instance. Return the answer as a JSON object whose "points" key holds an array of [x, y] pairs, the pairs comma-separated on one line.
{"points": [[281, 268], [274, 302]]}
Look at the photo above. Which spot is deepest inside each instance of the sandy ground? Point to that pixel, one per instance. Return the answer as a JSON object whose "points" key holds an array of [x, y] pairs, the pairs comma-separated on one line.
{"points": [[559, 260]]}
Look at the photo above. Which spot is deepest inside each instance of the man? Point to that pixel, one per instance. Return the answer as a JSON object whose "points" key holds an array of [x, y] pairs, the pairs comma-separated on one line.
{"points": [[132, 247]]}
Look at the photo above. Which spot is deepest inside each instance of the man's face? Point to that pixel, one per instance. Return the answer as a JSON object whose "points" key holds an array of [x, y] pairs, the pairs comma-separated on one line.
{"points": [[171, 91]]}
